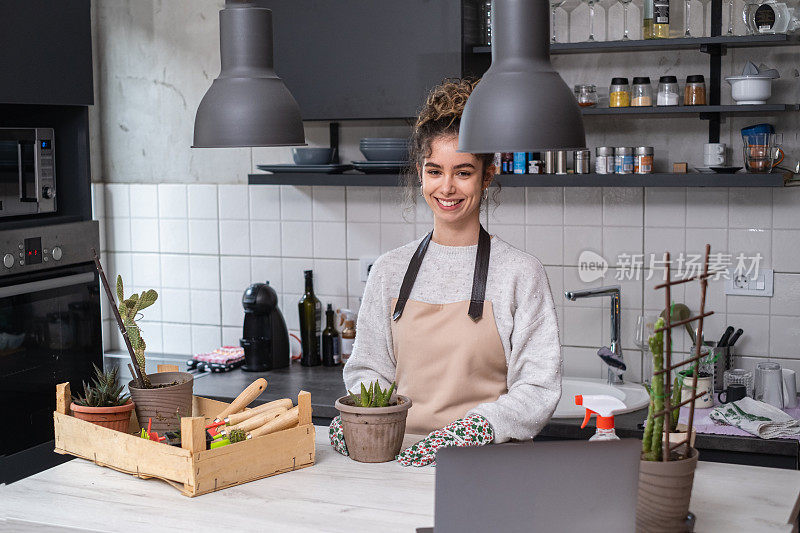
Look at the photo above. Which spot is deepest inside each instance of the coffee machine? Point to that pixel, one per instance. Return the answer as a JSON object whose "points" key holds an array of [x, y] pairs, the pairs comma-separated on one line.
{"points": [[265, 338]]}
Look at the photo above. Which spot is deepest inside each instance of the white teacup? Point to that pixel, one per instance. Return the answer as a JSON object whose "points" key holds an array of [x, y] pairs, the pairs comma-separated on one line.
{"points": [[714, 160], [714, 148]]}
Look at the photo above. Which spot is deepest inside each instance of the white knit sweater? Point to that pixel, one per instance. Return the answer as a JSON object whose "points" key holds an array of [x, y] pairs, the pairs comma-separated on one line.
{"points": [[524, 313]]}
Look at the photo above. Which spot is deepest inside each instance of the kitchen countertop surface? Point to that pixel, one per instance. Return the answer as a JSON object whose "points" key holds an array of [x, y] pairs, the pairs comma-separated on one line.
{"points": [[336, 495], [326, 385]]}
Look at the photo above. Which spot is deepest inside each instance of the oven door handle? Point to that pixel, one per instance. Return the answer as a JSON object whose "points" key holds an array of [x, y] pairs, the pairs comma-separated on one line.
{"points": [[46, 284]]}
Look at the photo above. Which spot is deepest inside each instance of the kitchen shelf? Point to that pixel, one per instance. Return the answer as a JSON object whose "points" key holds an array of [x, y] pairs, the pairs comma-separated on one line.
{"points": [[694, 109], [694, 43], [537, 180]]}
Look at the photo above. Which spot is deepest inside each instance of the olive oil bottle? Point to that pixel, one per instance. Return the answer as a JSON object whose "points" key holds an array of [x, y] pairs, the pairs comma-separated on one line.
{"points": [[310, 311], [655, 23], [331, 348]]}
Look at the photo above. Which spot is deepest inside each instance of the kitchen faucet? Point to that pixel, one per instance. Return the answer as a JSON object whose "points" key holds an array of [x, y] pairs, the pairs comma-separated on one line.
{"points": [[615, 357]]}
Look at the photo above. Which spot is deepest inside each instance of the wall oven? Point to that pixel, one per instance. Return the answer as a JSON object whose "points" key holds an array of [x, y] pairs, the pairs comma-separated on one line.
{"points": [[27, 171], [50, 325]]}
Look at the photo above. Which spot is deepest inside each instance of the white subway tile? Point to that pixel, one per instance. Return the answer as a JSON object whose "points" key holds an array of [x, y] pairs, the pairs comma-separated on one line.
{"points": [[234, 237], [330, 240], [619, 240], [173, 200], [174, 271], [144, 235], [582, 325], [581, 362], [750, 207], [267, 269], [203, 236], [202, 200], [753, 305], [265, 202], [295, 202], [206, 338], [422, 211], [102, 236], [716, 300], [296, 239], [233, 202], [659, 240], [108, 336], [355, 287], [232, 310], [628, 320], [153, 336], [546, 243], [119, 234], [755, 339], [289, 309], [654, 299], [235, 273], [785, 250], [786, 295], [363, 240], [633, 360], [622, 206], [665, 207], [177, 339], [292, 274], [707, 207], [583, 206], [173, 235], [144, 200], [98, 201], [330, 277], [152, 313], [119, 264], [751, 242], [697, 238], [363, 204], [544, 206], [394, 207], [176, 306], [786, 208], [509, 208], [204, 272], [205, 307], [231, 336], [146, 270], [329, 203], [395, 235], [265, 238], [118, 200], [578, 239], [784, 337]]}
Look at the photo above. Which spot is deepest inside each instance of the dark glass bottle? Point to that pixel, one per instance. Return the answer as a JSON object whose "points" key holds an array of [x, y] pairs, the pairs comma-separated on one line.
{"points": [[331, 349], [310, 321]]}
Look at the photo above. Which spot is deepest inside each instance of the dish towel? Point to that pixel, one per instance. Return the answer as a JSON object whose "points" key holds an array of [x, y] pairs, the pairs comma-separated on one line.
{"points": [[757, 418]]}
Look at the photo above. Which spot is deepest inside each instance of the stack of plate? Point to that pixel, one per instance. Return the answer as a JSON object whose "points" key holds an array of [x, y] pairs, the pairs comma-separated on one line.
{"points": [[384, 155]]}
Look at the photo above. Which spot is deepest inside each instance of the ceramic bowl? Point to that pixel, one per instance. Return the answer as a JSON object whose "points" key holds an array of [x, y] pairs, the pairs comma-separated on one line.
{"points": [[313, 156], [399, 153], [750, 90]]}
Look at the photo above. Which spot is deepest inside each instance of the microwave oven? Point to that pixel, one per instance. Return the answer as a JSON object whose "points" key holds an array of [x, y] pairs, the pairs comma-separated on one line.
{"points": [[27, 171]]}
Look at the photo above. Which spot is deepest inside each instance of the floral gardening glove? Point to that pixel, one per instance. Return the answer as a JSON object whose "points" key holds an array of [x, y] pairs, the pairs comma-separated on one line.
{"points": [[336, 434], [470, 431]]}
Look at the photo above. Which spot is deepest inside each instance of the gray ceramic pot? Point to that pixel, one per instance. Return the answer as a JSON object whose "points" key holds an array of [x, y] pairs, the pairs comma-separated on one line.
{"points": [[164, 404], [373, 434]]}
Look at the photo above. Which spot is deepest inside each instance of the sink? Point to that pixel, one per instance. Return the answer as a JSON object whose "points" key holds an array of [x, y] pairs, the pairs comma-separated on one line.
{"points": [[633, 395]]}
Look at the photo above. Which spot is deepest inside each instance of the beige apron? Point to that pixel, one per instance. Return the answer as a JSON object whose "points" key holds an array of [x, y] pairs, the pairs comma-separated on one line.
{"points": [[447, 361]]}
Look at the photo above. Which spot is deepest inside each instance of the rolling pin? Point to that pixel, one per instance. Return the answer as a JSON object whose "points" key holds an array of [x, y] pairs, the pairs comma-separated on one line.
{"points": [[255, 421], [288, 419], [243, 400]]}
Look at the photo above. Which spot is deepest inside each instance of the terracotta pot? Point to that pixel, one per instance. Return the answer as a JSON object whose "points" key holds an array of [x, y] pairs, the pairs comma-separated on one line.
{"points": [[373, 434], [665, 490], [164, 404], [117, 418]]}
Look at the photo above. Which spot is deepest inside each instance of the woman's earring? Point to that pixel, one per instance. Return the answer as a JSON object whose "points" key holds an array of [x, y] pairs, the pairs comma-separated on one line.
{"points": [[485, 195], [421, 192]]}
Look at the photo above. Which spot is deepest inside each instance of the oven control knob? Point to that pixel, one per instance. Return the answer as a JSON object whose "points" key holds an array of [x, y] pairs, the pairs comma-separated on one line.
{"points": [[57, 253], [8, 260], [48, 192]]}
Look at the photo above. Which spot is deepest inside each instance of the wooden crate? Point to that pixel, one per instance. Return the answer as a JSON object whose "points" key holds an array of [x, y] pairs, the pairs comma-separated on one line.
{"points": [[191, 469]]}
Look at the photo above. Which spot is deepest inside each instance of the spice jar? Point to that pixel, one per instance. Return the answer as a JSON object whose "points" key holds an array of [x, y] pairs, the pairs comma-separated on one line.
{"points": [[643, 160], [642, 92], [623, 160], [582, 159], [586, 95], [604, 160], [695, 91], [619, 93], [668, 91]]}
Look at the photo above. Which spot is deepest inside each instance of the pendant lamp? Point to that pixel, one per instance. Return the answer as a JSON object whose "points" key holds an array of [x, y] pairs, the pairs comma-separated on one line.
{"points": [[521, 104], [248, 104]]}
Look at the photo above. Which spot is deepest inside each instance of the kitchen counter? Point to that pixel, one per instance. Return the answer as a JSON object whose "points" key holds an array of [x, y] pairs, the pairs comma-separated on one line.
{"points": [[337, 495], [326, 385]]}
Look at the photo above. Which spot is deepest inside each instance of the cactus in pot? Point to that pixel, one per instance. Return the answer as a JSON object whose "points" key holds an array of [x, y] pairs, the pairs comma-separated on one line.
{"points": [[128, 309]]}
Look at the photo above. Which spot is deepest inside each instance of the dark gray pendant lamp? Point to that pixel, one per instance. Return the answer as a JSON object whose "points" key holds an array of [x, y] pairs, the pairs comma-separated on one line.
{"points": [[248, 104], [521, 104]]}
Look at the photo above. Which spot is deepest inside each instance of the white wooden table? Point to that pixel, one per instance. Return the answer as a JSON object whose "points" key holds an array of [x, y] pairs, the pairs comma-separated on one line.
{"points": [[336, 495]]}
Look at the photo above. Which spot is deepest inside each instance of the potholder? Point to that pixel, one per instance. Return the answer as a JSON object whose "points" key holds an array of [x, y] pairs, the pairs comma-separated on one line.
{"points": [[470, 431]]}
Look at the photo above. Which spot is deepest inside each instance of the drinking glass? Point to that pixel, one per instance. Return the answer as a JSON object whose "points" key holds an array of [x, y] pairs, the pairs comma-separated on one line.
{"points": [[554, 5], [569, 6], [687, 19], [769, 384], [730, 17], [738, 376], [761, 151], [645, 327], [591, 4], [625, 4], [706, 24]]}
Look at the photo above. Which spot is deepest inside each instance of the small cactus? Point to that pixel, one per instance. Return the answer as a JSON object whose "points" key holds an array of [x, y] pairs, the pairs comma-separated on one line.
{"points": [[374, 396], [128, 309]]}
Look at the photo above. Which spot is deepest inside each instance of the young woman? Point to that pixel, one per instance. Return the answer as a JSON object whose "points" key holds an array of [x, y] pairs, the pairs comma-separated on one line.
{"points": [[462, 321]]}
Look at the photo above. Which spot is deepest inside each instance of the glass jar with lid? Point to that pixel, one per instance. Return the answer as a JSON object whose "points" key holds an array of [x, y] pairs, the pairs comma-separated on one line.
{"points": [[604, 160], [642, 92], [586, 95], [668, 91], [694, 93], [619, 93], [623, 160], [643, 160]]}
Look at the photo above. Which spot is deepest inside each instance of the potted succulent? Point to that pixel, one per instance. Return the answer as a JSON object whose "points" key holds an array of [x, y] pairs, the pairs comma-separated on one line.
{"points": [[162, 398], [373, 423], [103, 401]]}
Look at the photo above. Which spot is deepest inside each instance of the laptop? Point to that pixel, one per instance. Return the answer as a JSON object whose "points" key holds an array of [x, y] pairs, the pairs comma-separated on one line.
{"points": [[537, 487]]}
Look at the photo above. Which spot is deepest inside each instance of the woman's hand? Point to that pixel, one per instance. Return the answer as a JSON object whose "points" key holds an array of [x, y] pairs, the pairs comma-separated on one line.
{"points": [[470, 431], [336, 435]]}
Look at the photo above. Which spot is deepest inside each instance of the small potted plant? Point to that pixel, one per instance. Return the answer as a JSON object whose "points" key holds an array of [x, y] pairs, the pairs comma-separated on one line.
{"points": [[373, 423], [163, 398], [103, 401]]}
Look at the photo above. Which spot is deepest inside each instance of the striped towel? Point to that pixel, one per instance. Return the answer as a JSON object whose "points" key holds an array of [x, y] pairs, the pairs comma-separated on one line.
{"points": [[757, 418]]}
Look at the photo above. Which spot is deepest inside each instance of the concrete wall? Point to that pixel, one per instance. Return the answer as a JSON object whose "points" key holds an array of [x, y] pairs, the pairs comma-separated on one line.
{"points": [[184, 222]]}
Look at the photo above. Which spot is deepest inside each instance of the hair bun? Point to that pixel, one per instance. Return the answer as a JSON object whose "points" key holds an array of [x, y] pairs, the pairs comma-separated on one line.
{"points": [[446, 101]]}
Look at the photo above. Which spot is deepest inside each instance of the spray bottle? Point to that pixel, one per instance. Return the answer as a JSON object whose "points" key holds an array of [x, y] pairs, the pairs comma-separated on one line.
{"points": [[604, 407]]}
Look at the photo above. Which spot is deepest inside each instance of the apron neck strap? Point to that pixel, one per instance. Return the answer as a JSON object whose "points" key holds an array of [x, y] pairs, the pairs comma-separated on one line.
{"points": [[478, 280]]}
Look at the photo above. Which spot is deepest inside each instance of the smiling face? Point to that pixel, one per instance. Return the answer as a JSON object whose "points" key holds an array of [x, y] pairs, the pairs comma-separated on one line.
{"points": [[453, 182]]}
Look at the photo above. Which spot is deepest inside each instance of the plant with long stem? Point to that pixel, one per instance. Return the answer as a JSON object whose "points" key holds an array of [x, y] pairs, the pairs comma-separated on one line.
{"points": [[129, 309]]}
